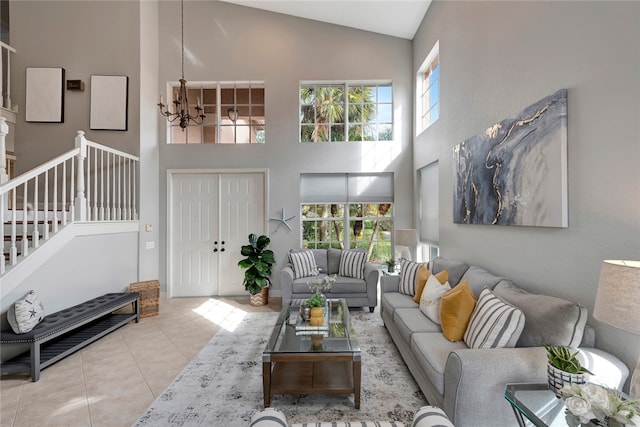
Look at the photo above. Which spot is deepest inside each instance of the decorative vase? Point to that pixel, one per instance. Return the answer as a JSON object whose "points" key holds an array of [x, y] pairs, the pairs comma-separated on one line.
{"points": [[260, 299], [558, 379], [305, 312], [316, 312]]}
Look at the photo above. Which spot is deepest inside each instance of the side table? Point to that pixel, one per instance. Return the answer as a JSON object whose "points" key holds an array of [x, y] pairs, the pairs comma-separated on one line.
{"points": [[535, 405]]}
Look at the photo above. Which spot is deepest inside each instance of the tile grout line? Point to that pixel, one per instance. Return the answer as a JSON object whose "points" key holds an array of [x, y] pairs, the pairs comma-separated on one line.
{"points": [[86, 387], [135, 360]]}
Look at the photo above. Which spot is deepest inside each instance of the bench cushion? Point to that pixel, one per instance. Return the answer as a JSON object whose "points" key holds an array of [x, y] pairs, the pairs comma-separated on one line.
{"points": [[69, 317]]}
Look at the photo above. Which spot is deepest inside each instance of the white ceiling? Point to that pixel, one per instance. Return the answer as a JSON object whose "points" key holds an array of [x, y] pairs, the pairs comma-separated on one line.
{"points": [[399, 18]]}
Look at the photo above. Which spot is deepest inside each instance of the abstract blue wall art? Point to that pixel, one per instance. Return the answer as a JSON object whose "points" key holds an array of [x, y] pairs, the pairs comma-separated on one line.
{"points": [[515, 172]]}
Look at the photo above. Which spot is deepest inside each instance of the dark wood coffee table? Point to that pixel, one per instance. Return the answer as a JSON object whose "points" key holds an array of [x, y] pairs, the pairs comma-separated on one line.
{"points": [[299, 359]]}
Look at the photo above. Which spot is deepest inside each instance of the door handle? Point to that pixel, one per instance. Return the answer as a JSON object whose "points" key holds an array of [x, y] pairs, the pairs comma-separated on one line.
{"points": [[222, 250], [215, 250]]}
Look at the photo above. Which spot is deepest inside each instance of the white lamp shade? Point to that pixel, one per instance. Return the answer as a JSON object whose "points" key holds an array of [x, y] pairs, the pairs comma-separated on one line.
{"points": [[618, 297], [406, 237]]}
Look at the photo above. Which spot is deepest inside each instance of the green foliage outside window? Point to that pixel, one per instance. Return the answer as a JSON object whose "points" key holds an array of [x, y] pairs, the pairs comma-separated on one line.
{"points": [[367, 225], [322, 113]]}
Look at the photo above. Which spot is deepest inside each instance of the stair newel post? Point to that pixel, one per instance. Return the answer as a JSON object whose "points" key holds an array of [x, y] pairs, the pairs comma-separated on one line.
{"points": [[4, 176], [80, 202]]}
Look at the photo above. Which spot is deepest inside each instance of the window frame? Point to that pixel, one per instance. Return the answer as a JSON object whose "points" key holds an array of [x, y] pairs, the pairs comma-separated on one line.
{"points": [[424, 73], [221, 121], [346, 122]]}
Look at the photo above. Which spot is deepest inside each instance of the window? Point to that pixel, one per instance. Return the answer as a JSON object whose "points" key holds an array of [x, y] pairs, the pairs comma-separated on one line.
{"points": [[428, 86], [429, 181], [234, 114], [348, 211], [346, 112]]}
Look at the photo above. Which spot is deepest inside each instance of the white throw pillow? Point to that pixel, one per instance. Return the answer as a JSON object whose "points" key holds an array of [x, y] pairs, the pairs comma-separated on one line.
{"points": [[352, 264], [431, 298], [494, 323], [304, 264], [25, 313]]}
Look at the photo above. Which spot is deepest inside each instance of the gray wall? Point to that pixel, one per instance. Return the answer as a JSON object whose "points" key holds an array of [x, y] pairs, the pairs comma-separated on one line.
{"points": [[99, 264], [227, 42], [84, 38], [497, 58]]}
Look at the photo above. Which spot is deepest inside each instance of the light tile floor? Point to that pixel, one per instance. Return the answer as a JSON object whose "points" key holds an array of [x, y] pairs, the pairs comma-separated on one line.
{"points": [[112, 381]]}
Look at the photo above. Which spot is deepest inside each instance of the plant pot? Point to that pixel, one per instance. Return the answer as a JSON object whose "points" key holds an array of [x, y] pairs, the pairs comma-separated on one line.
{"points": [[260, 299], [317, 312], [558, 379]]}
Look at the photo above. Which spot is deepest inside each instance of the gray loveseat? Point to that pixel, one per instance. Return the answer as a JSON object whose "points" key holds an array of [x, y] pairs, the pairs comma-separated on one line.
{"points": [[357, 292], [469, 384]]}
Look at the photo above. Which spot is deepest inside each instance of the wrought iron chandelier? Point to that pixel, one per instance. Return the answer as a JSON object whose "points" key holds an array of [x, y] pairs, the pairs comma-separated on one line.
{"points": [[180, 102]]}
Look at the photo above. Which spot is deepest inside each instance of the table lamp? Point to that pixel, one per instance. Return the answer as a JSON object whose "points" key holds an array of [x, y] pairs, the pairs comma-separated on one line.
{"points": [[405, 238], [618, 303]]}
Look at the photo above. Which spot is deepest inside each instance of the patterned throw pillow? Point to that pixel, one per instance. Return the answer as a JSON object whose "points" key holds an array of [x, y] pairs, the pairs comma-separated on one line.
{"points": [[303, 263], [25, 313], [430, 298], [456, 309], [352, 264], [408, 276], [494, 323]]}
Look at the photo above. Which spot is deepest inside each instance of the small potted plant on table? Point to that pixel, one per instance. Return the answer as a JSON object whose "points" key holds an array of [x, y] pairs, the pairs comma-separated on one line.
{"points": [[564, 368]]}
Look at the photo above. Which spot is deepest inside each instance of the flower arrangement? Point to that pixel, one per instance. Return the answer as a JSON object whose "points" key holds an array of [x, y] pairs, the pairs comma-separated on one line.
{"points": [[323, 284], [587, 402]]}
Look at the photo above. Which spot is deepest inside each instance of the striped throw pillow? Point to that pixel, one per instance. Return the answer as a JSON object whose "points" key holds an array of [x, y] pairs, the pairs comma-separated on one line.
{"points": [[408, 276], [303, 263], [494, 323], [269, 417], [429, 416], [352, 264]]}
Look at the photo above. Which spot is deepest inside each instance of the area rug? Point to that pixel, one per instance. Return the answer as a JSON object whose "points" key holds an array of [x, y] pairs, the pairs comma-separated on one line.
{"points": [[222, 385]]}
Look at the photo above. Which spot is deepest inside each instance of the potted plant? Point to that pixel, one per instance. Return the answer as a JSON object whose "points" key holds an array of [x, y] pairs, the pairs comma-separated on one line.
{"points": [[564, 368], [391, 264], [258, 265]]}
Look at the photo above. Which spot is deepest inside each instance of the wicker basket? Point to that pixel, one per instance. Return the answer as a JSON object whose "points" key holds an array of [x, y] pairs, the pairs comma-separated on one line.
{"points": [[260, 299], [149, 297]]}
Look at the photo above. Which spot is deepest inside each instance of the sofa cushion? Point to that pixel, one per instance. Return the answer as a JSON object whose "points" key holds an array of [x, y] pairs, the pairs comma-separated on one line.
{"points": [[494, 323], [548, 320], [348, 285], [303, 264], [423, 276], [431, 350], [391, 301], [455, 311], [333, 260], [352, 264], [431, 298], [411, 320], [478, 278], [408, 276], [455, 268], [24, 314]]}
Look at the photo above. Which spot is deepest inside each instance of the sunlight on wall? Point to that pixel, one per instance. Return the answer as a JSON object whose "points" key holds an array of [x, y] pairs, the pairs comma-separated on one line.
{"points": [[377, 156], [221, 313]]}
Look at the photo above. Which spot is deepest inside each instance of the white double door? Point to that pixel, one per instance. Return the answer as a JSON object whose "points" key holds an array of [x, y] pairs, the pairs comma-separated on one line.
{"points": [[211, 214]]}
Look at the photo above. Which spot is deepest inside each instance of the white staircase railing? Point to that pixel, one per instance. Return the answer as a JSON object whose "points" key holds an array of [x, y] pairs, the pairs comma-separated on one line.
{"points": [[90, 183]]}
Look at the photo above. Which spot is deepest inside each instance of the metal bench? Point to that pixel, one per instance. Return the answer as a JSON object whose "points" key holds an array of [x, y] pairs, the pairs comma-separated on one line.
{"points": [[65, 332]]}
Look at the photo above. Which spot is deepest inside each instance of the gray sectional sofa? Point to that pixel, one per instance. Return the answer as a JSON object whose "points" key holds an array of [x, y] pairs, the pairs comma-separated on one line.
{"points": [[469, 384], [357, 292]]}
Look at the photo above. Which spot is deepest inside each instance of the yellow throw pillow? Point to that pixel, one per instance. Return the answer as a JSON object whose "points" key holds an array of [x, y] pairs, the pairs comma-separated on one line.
{"points": [[423, 276], [456, 309]]}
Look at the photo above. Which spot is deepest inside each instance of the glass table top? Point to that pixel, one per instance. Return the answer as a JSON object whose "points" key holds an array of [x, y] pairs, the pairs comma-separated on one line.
{"points": [[293, 335], [537, 403]]}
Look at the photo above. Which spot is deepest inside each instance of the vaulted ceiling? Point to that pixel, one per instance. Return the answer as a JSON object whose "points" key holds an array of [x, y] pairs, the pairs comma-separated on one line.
{"points": [[399, 18]]}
